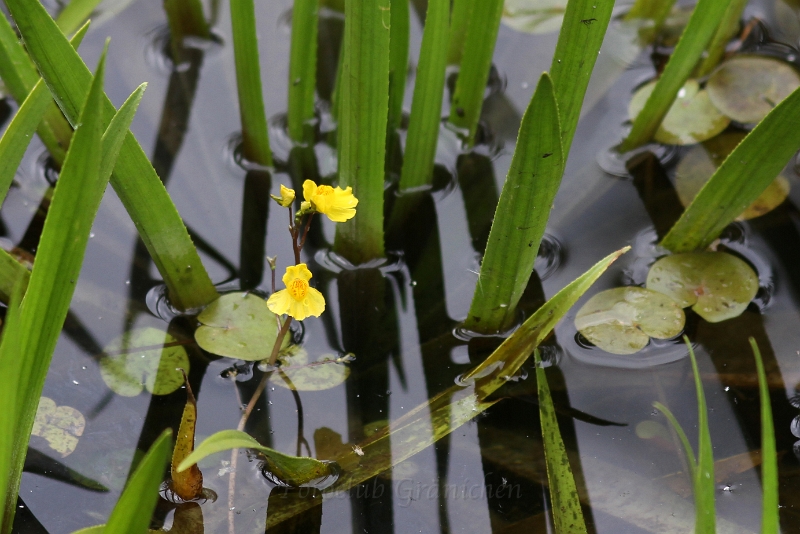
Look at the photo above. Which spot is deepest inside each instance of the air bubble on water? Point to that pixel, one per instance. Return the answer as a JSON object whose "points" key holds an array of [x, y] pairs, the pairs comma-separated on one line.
{"points": [[727, 388]]}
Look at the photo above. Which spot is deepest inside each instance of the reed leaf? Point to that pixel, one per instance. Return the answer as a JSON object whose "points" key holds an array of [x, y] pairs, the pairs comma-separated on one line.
{"points": [[75, 14], [430, 421], [704, 483], [76, 199], [12, 273], [770, 523], [426, 105], [579, 41], [134, 179], [363, 113], [521, 215], [302, 69], [19, 76], [564, 501], [461, 13], [726, 30], [185, 18], [740, 179], [695, 38], [398, 60], [255, 136], [133, 510], [20, 130], [473, 73]]}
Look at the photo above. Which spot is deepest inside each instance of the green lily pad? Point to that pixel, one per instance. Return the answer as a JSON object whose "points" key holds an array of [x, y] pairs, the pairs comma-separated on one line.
{"points": [[139, 359], [534, 16], [691, 119], [697, 166], [298, 374], [622, 320], [238, 325], [746, 88], [61, 426], [716, 285]]}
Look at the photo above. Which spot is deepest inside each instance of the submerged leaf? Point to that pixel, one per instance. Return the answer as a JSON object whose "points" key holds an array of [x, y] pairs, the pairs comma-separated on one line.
{"points": [[623, 319], [692, 118], [716, 285], [534, 16], [186, 484], [298, 374], [238, 325], [144, 358], [61, 426], [746, 88], [697, 166], [293, 470]]}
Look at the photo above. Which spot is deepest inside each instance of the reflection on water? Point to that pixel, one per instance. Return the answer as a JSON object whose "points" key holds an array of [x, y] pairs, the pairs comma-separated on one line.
{"points": [[400, 319]]}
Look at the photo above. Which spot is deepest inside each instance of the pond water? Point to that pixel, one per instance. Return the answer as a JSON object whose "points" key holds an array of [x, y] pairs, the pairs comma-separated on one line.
{"points": [[400, 319]]}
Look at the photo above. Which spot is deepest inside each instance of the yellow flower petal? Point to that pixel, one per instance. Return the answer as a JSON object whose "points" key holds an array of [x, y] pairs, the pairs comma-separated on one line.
{"points": [[309, 189], [279, 302], [296, 271], [315, 302], [287, 196], [337, 203]]}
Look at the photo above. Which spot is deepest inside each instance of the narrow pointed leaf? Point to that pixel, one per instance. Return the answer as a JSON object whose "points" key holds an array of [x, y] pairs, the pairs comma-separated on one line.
{"points": [[11, 272], [134, 179], [187, 484], [293, 470], [564, 501], [696, 36], [426, 106], [769, 457], [741, 178], [521, 215], [579, 41], [75, 14], [704, 482], [133, 510]]}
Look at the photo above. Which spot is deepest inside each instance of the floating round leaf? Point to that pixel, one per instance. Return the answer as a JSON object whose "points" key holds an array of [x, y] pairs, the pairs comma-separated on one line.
{"points": [[746, 87], [144, 358], [622, 320], [716, 285], [61, 426], [298, 374], [697, 166], [238, 325], [691, 119], [534, 16]]}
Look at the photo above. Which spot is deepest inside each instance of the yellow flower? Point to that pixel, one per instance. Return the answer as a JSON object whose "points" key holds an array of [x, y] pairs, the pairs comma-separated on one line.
{"points": [[298, 300], [286, 198], [337, 203]]}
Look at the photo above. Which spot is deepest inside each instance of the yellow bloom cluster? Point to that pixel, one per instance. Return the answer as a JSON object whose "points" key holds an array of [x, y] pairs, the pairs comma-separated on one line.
{"points": [[298, 300], [337, 203]]}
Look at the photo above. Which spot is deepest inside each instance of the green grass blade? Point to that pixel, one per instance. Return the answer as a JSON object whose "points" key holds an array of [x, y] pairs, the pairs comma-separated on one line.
{"points": [[579, 41], [564, 502], [18, 134], [426, 106], [134, 509], [117, 129], [11, 273], [521, 215], [12, 447], [740, 179], [727, 29], [462, 11], [303, 69], [687, 448], [52, 282], [399, 35], [363, 114], [484, 23], [75, 14], [134, 179], [255, 135], [704, 483], [770, 523], [696, 36], [20, 77]]}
